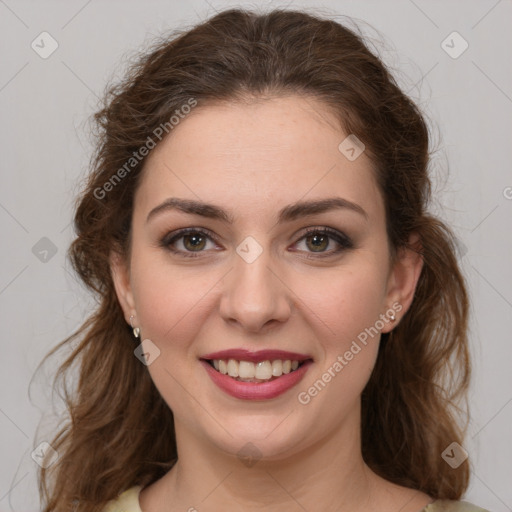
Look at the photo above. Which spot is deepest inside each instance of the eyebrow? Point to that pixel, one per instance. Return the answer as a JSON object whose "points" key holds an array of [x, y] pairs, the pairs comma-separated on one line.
{"points": [[287, 214]]}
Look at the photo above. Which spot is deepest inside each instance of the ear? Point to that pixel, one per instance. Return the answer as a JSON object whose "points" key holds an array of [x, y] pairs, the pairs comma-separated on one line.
{"points": [[121, 277], [403, 279]]}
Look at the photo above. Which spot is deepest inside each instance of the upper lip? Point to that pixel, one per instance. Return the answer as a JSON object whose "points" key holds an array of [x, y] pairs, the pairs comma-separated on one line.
{"points": [[241, 354]]}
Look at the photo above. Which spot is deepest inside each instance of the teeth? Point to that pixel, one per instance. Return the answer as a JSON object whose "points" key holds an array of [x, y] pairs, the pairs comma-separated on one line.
{"points": [[246, 370], [233, 368], [263, 370], [249, 371], [277, 368]]}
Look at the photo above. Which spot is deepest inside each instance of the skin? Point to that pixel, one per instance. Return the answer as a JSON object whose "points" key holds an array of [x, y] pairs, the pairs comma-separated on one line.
{"points": [[254, 158]]}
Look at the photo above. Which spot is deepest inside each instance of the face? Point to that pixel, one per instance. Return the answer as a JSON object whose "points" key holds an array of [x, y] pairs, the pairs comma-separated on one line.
{"points": [[266, 274]]}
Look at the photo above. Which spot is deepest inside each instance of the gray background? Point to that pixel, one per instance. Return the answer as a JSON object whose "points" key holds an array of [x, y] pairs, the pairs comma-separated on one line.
{"points": [[45, 104]]}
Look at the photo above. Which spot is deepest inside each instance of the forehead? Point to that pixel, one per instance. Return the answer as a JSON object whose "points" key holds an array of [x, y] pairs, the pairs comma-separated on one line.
{"points": [[253, 158]]}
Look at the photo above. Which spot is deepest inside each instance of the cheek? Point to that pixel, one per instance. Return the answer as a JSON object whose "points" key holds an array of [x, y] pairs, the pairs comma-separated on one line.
{"points": [[345, 307], [342, 302], [170, 303]]}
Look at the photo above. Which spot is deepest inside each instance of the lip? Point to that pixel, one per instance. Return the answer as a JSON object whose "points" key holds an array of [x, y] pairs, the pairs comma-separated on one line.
{"points": [[255, 357], [256, 390]]}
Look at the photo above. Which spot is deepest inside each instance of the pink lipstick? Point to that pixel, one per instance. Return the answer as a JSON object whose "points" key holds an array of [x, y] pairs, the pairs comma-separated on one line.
{"points": [[272, 385]]}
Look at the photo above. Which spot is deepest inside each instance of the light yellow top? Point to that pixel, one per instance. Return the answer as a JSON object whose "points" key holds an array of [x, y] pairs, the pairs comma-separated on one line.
{"points": [[128, 501]]}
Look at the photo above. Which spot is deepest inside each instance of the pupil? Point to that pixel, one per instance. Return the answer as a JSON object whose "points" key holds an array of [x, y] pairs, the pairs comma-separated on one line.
{"points": [[316, 240], [196, 240]]}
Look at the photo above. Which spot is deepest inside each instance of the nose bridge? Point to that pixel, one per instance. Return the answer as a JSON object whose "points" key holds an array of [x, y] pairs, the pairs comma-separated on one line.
{"points": [[254, 295]]}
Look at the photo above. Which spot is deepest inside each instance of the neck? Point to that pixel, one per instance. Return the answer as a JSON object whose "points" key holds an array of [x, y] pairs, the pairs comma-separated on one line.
{"points": [[327, 475]]}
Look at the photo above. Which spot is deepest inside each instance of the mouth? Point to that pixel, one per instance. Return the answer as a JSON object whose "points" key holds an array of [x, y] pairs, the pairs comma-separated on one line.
{"points": [[261, 371], [256, 375]]}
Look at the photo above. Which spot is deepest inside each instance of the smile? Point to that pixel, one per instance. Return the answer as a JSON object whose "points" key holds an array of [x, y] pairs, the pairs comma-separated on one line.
{"points": [[256, 375], [247, 371]]}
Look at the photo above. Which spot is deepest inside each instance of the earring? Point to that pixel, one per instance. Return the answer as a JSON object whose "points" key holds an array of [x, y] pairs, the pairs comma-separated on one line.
{"points": [[136, 330], [392, 316]]}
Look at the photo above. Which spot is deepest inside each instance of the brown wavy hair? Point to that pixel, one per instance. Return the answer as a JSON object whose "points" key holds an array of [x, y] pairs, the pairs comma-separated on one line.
{"points": [[411, 407]]}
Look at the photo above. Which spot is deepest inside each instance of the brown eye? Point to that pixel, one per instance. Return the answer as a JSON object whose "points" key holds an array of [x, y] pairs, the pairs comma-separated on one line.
{"points": [[317, 240], [193, 242]]}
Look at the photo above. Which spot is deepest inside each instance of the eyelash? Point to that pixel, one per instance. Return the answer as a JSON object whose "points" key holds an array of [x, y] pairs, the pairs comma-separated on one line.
{"points": [[343, 240]]}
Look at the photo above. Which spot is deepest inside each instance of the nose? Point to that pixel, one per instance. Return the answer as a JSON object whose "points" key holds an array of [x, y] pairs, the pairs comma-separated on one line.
{"points": [[255, 296]]}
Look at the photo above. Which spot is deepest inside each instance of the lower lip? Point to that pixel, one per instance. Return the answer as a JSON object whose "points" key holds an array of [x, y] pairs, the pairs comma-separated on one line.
{"points": [[256, 390]]}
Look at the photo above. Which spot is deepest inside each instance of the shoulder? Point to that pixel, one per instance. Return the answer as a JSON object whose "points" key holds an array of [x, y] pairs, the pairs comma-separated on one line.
{"points": [[128, 501], [452, 506]]}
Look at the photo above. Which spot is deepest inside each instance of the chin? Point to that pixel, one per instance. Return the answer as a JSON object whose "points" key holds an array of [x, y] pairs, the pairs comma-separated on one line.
{"points": [[260, 436]]}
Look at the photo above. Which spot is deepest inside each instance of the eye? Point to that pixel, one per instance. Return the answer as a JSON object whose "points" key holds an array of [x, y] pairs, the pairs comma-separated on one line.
{"points": [[318, 240], [194, 241]]}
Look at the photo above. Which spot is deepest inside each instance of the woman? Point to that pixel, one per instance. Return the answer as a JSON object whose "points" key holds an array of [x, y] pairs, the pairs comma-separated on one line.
{"points": [[281, 323]]}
